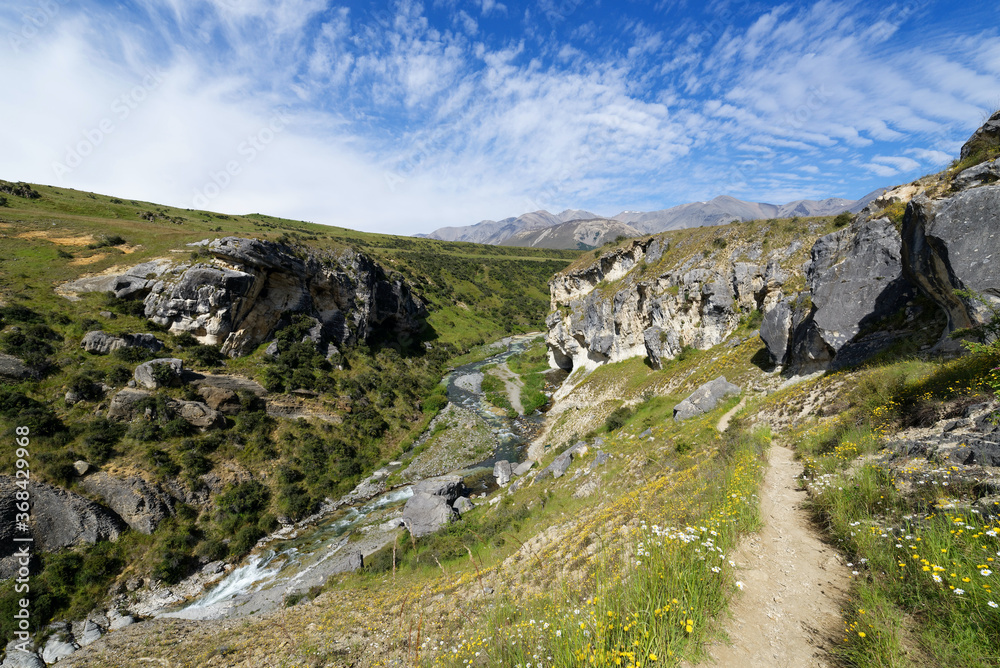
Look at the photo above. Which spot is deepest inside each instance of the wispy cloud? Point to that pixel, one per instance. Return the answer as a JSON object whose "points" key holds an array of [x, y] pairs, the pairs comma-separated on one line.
{"points": [[409, 116]]}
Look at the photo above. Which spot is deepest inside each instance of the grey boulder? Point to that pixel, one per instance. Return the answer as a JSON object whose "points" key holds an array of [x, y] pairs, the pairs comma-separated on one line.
{"points": [[199, 414], [523, 467], [430, 507], [17, 658], [125, 403], [141, 504], [705, 398], [12, 367], [60, 644], [502, 472], [463, 505], [101, 343], [144, 373], [91, 633]]}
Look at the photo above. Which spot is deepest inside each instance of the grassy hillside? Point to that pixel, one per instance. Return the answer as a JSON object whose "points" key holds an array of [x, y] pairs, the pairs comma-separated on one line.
{"points": [[266, 467]]}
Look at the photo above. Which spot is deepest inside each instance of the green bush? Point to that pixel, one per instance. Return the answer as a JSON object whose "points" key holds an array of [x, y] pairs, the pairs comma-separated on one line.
{"points": [[843, 219], [618, 418]]}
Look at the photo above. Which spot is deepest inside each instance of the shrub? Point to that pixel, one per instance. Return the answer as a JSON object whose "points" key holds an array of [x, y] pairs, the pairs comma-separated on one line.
{"points": [[212, 549], [144, 431], [843, 219], [618, 418], [133, 354], [203, 355], [245, 539]]}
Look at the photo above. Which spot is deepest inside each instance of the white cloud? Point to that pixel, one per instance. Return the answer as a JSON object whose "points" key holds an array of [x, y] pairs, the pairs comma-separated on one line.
{"points": [[395, 123]]}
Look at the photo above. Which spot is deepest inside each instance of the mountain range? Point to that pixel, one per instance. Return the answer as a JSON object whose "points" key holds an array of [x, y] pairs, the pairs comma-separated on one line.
{"points": [[578, 229]]}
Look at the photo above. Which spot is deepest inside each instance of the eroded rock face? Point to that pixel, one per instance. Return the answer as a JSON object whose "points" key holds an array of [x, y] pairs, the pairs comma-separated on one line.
{"points": [[241, 299], [854, 278], [952, 244], [59, 519], [141, 504], [653, 315], [250, 287]]}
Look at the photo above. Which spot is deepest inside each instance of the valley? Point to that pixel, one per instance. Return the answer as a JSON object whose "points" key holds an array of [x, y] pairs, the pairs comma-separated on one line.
{"points": [[267, 442]]}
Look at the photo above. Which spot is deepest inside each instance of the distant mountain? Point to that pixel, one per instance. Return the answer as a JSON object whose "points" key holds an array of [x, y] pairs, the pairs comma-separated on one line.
{"points": [[725, 209], [495, 231], [588, 228], [577, 234]]}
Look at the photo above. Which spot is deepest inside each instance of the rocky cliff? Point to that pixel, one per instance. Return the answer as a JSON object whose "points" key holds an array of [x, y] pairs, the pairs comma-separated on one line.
{"points": [[648, 299], [246, 288], [855, 295]]}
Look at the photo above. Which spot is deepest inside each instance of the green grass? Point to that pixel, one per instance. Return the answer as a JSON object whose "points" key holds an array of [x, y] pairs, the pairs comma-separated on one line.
{"points": [[925, 569]]}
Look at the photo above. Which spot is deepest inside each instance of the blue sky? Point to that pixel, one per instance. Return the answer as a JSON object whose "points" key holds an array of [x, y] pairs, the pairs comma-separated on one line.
{"points": [[404, 117]]}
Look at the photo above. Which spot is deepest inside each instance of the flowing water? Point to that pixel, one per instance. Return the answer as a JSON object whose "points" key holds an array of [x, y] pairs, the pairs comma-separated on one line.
{"points": [[307, 558]]}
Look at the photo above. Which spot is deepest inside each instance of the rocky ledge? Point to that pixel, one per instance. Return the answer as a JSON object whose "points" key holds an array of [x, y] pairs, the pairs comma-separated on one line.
{"points": [[248, 288]]}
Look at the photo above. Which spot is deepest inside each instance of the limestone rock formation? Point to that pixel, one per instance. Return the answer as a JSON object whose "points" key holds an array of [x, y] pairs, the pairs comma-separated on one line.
{"points": [[146, 373], [250, 288], [502, 472], [705, 398], [854, 278], [141, 504], [59, 518], [101, 343], [430, 507], [615, 308], [952, 244], [17, 658], [60, 644]]}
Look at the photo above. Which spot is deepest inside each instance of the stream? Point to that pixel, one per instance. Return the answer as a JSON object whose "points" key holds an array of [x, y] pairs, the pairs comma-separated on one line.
{"points": [[293, 561]]}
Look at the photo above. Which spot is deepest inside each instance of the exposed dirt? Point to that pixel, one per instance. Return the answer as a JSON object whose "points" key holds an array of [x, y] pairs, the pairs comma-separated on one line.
{"points": [[723, 424], [788, 614], [58, 240]]}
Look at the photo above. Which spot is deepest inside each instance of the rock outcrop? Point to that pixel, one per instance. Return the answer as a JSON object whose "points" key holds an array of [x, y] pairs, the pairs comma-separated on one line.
{"points": [[705, 398], [141, 504], [59, 519], [251, 287], [101, 343], [954, 244], [618, 308], [430, 508], [146, 374], [854, 278]]}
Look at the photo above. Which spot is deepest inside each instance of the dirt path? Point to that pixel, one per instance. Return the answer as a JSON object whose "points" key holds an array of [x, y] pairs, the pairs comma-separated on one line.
{"points": [[723, 424], [788, 615]]}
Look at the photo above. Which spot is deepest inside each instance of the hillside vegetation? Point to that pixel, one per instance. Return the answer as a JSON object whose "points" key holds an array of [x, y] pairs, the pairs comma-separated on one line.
{"points": [[236, 481]]}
